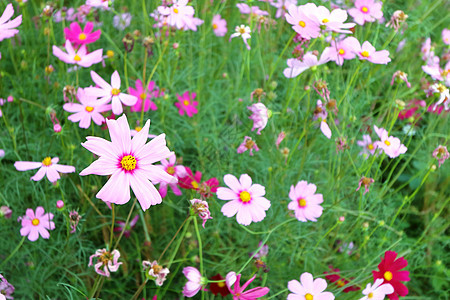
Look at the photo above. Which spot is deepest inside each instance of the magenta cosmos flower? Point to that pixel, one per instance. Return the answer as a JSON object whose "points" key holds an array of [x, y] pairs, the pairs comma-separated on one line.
{"points": [[144, 95], [308, 288], [195, 281], [366, 11], [110, 92], [81, 37], [233, 283], [368, 52], [7, 26], [305, 202], [245, 199], [171, 168], [219, 25], [35, 224], [88, 109], [303, 20], [79, 57], [106, 261], [187, 104], [49, 166], [129, 162]]}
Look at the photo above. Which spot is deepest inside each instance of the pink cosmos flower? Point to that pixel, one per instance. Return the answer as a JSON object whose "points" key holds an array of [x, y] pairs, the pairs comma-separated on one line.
{"points": [[145, 95], [303, 20], [103, 4], [254, 10], [219, 25], [7, 26], [377, 291], [79, 57], [194, 283], [201, 208], [342, 50], [172, 169], [88, 109], [2, 152], [35, 224], [187, 104], [308, 288], [6, 288], [305, 202], [368, 52], [296, 67], [446, 36], [441, 154], [156, 271], [244, 32], [282, 6], [233, 283], [259, 116], [247, 144], [179, 15], [5, 211], [366, 182], [334, 20], [320, 113], [126, 230], [392, 146], [129, 161], [368, 148], [49, 166], [245, 199], [366, 11], [106, 262], [110, 92], [81, 37], [437, 73]]}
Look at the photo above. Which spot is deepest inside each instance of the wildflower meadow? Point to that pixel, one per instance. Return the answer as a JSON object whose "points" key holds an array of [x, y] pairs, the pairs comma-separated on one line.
{"points": [[224, 149]]}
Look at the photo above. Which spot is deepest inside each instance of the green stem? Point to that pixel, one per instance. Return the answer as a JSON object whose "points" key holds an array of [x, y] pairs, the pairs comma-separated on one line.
{"points": [[200, 252], [126, 224], [176, 233], [13, 253], [111, 233]]}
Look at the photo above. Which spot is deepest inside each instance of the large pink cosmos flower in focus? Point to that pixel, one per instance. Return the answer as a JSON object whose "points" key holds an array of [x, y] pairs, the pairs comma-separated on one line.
{"points": [[308, 288], [305, 202], [37, 224], [49, 166], [129, 162], [7, 27], [81, 37], [245, 199]]}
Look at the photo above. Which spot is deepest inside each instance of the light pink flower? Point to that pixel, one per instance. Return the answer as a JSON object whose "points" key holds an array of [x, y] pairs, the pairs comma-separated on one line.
{"points": [[368, 52], [244, 32], [437, 73], [156, 271], [201, 208], [296, 67], [106, 261], [2, 152], [280, 138], [259, 116], [146, 95], [441, 154], [282, 6], [402, 76], [368, 148], [6, 288], [122, 21], [79, 57], [377, 291], [81, 37], [179, 15], [366, 11], [320, 113], [366, 182], [444, 95], [334, 20], [303, 20], [247, 144], [5, 211], [392, 146], [342, 50], [35, 224], [219, 25], [110, 92], [194, 283], [103, 4], [254, 10], [305, 202], [7, 26], [129, 161], [187, 104], [234, 286], [308, 288], [446, 36], [49, 167], [88, 109], [172, 169], [245, 199]]}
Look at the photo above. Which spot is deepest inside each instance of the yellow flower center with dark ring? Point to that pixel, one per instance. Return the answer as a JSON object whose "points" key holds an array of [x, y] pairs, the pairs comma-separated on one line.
{"points": [[387, 143], [77, 57], [82, 36], [35, 222], [309, 296], [89, 108], [302, 24], [128, 163], [245, 196], [115, 92], [365, 54], [301, 202], [388, 275], [47, 161], [170, 170]]}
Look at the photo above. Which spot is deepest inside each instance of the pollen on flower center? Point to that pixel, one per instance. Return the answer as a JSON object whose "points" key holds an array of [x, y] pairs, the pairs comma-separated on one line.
{"points": [[221, 284], [186, 102], [365, 9], [301, 202], [388, 275], [241, 30], [170, 170], [365, 54], [309, 296], [215, 26], [77, 57], [128, 162], [89, 108], [341, 52], [138, 128], [115, 92], [47, 161], [302, 24], [143, 96], [82, 36], [387, 143], [325, 21], [35, 222], [370, 296], [340, 283], [245, 196], [194, 184], [175, 10], [370, 147]]}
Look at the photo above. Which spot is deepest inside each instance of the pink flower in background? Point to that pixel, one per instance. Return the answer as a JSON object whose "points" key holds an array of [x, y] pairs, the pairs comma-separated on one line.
{"points": [[339, 51], [441, 154], [296, 67], [282, 6], [244, 32], [49, 167], [79, 57], [201, 208], [368, 52], [178, 171], [259, 116], [254, 10], [368, 147], [129, 162], [401, 76], [5, 211], [106, 261], [233, 283], [194, 284], [303, 20], [280, 138], [156, 271], [437, 73], [6, 288], [308, 288], [35, 224], [145, 95], [305, 202], [334, 20], [247, 144], [366, 11], [377, 291], [446, 36], [110, 92], [179, 15], [392, 146], [2, 152], [320, 113], [411, 108], [366, 182], [81, 37], [7, 26], [103, 4], [126, 230], [187, 104], [219, 25], [122, 21], [246, 200], [88, 109]]}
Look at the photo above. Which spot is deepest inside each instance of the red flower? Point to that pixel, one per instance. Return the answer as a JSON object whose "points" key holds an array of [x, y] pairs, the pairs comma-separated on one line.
{"points": [[389, 271], [218, 287], [340, 281]]}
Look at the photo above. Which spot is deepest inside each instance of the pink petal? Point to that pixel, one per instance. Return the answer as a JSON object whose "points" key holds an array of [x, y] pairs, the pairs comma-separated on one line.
{"points": [[140, 138], [100, 81], [145, 192], [27, 165], [39, 174], [52, 174], [244, 216], [226, 194], [231, 208], [117, 189], [246, 181], [120, 133], [232, 182], [115, 80], [295, 287]]}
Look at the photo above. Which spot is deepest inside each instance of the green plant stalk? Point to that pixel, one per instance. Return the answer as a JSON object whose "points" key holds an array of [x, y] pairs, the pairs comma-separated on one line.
{"points": [[126, 224], [14, 252], [200, 251]]}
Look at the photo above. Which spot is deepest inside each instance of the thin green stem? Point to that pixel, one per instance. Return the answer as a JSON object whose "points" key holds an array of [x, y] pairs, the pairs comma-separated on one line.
{"points": [[200, 250], [14, 252], [126, 224], [111, 234]]}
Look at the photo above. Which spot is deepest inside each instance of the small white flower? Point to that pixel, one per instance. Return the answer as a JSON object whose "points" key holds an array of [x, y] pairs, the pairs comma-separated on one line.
{"points": [[378, 291], [244, 32]]}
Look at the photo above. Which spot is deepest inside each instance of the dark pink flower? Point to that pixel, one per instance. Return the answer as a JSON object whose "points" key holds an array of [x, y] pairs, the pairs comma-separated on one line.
{"points": [[233, 284], [145, 94], [81, 37], [187, 104]]}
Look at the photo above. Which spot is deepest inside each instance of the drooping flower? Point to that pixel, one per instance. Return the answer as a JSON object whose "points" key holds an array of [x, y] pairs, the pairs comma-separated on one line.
{"points": [[126, 229], [6, 288], [305, 202], [444, 96], [145, 94], [340, 281], [280, 138], [366, 11], [78, 37], [187, 104], [320, 113], [79, 57], [122, 21], [74, 218], [260, 116], [368, 52], [310, 61], [441, 154], [48, 167], [106, 261], [401, 76], [171, 168], [392, 146], [366, 182], [155, 271], [244, 32], [389, 270], [194, 283], [110, 92], [7, 26], [308, 288], [201, 208], [35, 224], [233, 284], [5, 211], [247, 144], [303, 20], [246, 200], [219, 25], [397, 19], [130, 162], [368, 148], [377, 291]]}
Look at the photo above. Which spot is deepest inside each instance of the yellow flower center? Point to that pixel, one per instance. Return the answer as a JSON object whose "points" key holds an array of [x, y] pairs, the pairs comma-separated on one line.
{"points": [[388, 275], [325, 21], [186, 102], [340, 283], [302, 24], [175, 10], [170, 170], [221, 284], [110, 53], [341, 52], [301, 202], [241, 30], [370, 146], [138, 128], [245, 196], [387, 143], [215, 26], [128, 162], [77, 57], [143, 96], [249, 144], [89, 108], [309, 297], [82, 36], [47, 161], [364, 9], [115, 92], [365, 54], [370, 296], [194, 184], [35, 222]]}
